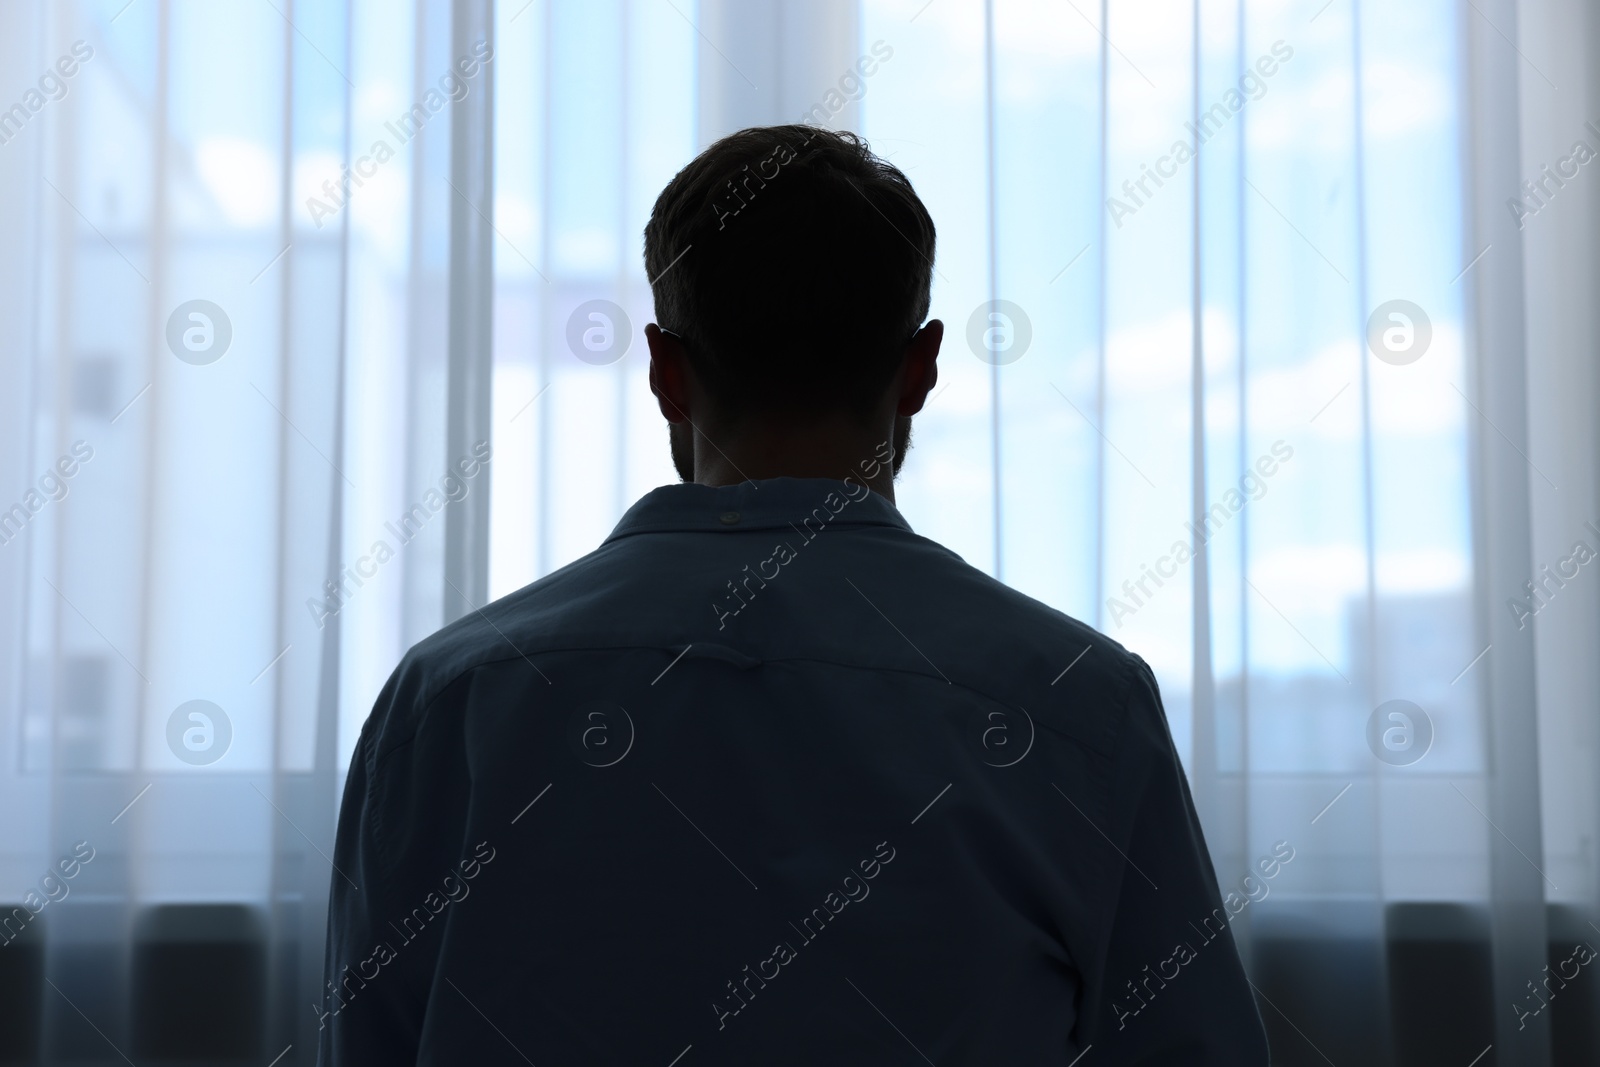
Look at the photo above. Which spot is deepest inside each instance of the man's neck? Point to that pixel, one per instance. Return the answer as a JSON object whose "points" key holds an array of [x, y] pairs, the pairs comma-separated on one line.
{"points": [[821, 452]]}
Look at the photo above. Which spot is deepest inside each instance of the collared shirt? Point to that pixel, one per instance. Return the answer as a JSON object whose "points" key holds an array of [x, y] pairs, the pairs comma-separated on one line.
{"points": [[769, 778]]}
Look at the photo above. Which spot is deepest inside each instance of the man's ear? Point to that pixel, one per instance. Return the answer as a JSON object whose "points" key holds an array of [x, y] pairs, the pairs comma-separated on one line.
{"points": [[669, 374], [919, 372]]}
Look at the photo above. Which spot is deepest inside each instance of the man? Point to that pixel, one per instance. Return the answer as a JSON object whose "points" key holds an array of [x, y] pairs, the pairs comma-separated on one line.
{"points": [[768, 778]]}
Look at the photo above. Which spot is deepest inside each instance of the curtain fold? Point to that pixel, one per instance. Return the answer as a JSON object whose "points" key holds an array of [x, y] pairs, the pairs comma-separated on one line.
{"points": [[1502, 477]]}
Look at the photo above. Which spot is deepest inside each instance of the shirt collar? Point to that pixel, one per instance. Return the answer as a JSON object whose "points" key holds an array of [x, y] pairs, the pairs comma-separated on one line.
{"points": [[766, 503]]}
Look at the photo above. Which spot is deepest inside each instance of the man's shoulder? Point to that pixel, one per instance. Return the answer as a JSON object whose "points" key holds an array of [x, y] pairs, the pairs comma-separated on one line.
{"points": [[1019, 650], [535, 619]]}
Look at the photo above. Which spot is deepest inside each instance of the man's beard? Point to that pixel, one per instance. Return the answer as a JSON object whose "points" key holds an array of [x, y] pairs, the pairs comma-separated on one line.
{"points": [[902, 442], [680, 439]]}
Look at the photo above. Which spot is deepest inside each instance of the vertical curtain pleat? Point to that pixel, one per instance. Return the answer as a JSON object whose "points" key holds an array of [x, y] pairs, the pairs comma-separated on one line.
{"points": [[1504, 551]]}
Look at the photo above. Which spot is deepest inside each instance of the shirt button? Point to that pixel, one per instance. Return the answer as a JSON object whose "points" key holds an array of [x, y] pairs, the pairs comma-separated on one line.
{"points": [[729, 518]]}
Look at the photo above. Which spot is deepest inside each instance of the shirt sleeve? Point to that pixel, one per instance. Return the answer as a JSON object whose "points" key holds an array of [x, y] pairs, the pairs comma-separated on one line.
{"points": [[367, 1011], [1171, 989]]}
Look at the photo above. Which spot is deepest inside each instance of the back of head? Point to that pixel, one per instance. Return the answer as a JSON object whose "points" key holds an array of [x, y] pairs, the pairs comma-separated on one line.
{"points": [[795, 265]]}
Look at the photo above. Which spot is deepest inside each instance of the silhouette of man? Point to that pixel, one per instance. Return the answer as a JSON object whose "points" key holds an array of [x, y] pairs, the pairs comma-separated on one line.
{"points": [[767, 777]]}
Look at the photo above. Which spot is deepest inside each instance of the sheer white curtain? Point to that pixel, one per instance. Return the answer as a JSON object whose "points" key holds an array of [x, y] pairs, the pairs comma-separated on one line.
{"points": [[226, 354], [1174, 404]]}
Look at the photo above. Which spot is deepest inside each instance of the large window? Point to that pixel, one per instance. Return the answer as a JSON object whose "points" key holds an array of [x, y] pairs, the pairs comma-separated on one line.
{"points": [[1240, 367]]}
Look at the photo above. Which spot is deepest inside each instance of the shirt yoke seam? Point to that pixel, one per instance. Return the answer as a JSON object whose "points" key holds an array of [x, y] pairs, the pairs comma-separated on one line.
{"points": [[427, 704]]}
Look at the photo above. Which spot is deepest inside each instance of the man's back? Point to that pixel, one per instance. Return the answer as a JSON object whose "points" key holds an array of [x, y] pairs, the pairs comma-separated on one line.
{"points": [[768, 778]]}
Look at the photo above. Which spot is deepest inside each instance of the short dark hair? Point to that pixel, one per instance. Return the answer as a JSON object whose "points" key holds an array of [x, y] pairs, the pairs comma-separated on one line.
{"points": [[795, 264]]}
